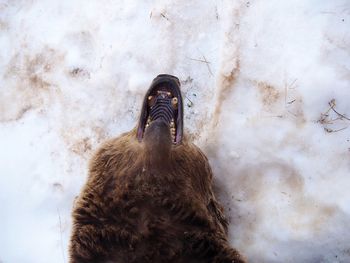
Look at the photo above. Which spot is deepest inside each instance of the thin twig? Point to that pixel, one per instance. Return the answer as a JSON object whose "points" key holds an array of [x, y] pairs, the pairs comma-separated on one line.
{"points": [[340, 129], [330, 130], [189, 105], [207, 63], [204, 60], [291, 85], [332, 105], [199, 60], [273, 116], [295, 115], [286, 87], [164, 16], [62, 250], [338, 118], [285, 95]]}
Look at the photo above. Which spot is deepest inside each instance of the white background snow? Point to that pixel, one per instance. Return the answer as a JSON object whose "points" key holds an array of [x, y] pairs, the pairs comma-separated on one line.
{"points": [[267, 93]]}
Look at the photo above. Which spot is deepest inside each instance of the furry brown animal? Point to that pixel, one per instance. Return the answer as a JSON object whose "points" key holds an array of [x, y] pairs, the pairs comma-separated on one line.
{"points": [[150, 201]]}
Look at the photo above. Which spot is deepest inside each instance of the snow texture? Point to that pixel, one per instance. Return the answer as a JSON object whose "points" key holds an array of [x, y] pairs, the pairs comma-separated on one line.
{"points": [[266, 88]]}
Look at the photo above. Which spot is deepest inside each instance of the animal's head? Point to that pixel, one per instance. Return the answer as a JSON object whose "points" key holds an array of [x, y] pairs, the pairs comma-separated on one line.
{"points": [[161, 121]]}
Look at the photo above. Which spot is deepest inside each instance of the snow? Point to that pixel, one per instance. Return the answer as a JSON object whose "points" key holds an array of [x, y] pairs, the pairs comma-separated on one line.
{"points": [[264, 82]]}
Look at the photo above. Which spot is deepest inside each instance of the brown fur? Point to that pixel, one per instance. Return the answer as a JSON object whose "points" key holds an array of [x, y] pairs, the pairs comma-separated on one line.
{"points": [[137, 207]]}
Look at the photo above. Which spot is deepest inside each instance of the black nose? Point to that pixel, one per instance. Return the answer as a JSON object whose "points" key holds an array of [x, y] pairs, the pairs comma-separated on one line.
{"points": [[166, 78]]}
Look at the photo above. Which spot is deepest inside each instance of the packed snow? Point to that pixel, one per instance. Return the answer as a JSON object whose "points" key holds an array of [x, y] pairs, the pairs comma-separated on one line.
{"points": [[266, 86]]}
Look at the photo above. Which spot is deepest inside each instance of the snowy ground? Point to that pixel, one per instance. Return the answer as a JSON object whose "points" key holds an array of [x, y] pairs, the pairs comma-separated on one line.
{"points": [[267, 92]]}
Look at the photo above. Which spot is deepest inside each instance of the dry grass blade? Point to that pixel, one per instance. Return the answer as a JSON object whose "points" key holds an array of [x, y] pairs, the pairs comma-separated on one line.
{"points": [[61, 239], [332, 105]]}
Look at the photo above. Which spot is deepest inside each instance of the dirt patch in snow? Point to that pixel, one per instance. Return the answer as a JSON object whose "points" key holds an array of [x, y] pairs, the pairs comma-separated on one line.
{"points": [[29, 83]]}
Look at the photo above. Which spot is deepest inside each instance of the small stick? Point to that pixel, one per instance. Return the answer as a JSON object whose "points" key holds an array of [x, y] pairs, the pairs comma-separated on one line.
{"points": [[164, 16], [189, 101], [204, 60], [285, 94], [59, 218], [291, 85], [292, 113], [332, 104], [199, 60], [207, 63], [330, 130]]}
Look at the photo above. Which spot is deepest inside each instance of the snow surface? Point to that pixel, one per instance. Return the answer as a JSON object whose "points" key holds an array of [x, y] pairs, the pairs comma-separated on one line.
{"points": [[267, 94]]}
